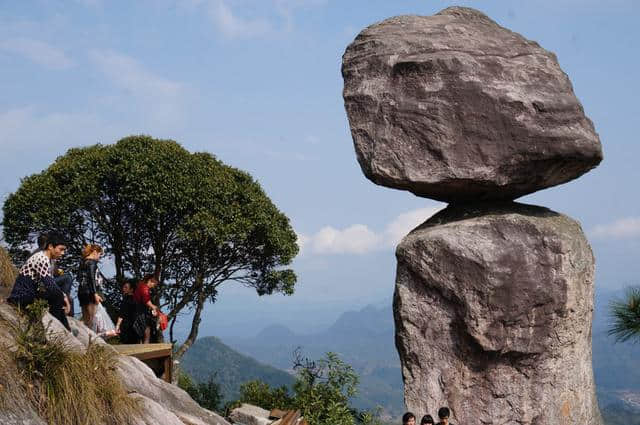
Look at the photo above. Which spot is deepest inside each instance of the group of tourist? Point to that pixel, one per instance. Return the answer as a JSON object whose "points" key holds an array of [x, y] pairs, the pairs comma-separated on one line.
{"points": [[40, 278], [443, 414]]}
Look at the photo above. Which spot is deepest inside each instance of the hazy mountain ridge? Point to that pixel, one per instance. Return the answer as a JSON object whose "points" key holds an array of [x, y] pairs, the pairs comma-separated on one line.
{"points": [[369, 331]]}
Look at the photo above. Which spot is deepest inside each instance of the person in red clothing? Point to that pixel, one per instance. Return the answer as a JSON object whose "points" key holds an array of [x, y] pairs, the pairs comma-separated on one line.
{"points": [[142, 297]]}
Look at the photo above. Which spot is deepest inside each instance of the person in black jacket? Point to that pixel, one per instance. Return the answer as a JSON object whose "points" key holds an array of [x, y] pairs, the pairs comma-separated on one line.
{"points": [[130, 330], [90, 280]]}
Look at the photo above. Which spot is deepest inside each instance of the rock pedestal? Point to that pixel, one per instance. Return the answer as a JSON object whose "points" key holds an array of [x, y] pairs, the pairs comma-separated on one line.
{"points": [[493, 309]]}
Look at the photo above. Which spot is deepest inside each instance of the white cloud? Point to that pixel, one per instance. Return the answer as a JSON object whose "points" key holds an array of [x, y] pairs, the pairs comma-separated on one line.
{"points": [[25, 129], [127, 73], [163, 100], [286, 9], [231, 23], [37, 51], [625, 228], [233, 26], [356, 239], [404, 223], [360, 239]]}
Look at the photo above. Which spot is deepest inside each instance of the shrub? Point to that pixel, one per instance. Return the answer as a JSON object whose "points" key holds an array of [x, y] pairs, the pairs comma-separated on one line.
{"points": [[261, 394]]}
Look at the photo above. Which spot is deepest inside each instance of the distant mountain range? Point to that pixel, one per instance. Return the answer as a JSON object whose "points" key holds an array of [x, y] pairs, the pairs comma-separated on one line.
{"points": [[365, 339]]}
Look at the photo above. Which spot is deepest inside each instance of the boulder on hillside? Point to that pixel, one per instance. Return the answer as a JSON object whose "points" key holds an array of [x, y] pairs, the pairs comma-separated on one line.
{"points": [[248, 414], [493, 308], [456, 108]]}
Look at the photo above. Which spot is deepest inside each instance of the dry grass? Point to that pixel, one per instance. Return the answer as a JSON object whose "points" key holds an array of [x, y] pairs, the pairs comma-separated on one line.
{"points": [[65, 387], [85, 389], [13, 389], [8, 271]]}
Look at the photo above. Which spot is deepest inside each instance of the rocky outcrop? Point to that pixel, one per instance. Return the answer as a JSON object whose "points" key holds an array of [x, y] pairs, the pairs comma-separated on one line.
{"points": [[160, 402], [456, 108], [138, 378], [493, 299], [248, 414], [493, 309]]}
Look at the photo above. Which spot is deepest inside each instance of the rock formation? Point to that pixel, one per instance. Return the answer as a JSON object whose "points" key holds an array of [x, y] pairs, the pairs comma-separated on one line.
{"points": [[456, 108], [493, 308], [161, 403], [494, 299]]}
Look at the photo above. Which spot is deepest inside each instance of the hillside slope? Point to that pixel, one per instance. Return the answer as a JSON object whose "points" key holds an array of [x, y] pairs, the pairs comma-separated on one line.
{"points": [[209, 357]]}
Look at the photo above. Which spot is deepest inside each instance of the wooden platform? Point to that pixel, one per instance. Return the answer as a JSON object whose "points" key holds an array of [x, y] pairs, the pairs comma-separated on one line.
{"points": [[156, 356]]}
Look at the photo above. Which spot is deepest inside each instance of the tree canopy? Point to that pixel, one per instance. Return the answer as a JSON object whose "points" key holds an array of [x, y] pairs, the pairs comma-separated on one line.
{"points": [[157, 208]]}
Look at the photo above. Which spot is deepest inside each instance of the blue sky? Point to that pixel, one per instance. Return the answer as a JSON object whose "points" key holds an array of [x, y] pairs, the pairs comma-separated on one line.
{"points": [[257, 83]]}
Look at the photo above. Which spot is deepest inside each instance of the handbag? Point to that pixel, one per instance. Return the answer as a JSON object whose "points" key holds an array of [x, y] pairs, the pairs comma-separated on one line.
{"points": [[163, 321]]}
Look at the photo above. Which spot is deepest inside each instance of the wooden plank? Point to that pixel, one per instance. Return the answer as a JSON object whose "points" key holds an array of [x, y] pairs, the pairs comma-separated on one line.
{"points": [[145, 351], [290, 418], [151, 354], [277, 413], [168, 369]]}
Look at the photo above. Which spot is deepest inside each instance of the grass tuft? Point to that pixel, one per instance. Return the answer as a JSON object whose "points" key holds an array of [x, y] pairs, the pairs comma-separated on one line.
{"points": [[67, 387], [8, 272]]}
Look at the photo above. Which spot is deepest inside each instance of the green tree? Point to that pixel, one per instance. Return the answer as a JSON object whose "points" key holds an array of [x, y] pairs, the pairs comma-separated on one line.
{"points": [[370, 417], [323, 389], [188, 218], [260, 394], [321, 392], [206, 394], [626, 316]]}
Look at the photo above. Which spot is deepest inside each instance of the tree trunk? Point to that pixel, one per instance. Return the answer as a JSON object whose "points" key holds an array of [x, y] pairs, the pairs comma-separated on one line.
{"points": [[173, 322], [195, 324]]}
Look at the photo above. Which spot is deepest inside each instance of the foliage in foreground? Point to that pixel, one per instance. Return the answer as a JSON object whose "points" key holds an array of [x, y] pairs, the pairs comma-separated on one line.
{"points": [[67, 387], [321, 392], [157, 208], [206, 394], [626, 316]]}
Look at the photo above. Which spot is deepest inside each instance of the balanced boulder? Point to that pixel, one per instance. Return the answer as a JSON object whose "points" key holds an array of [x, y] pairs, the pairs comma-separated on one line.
{"points": [[493, 308], [456, 108]]}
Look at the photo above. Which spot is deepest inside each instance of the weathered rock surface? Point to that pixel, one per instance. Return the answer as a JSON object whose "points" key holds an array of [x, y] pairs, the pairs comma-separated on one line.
{"points": [[138, 378], [493, 309], [248, 414], [456, 108]]}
